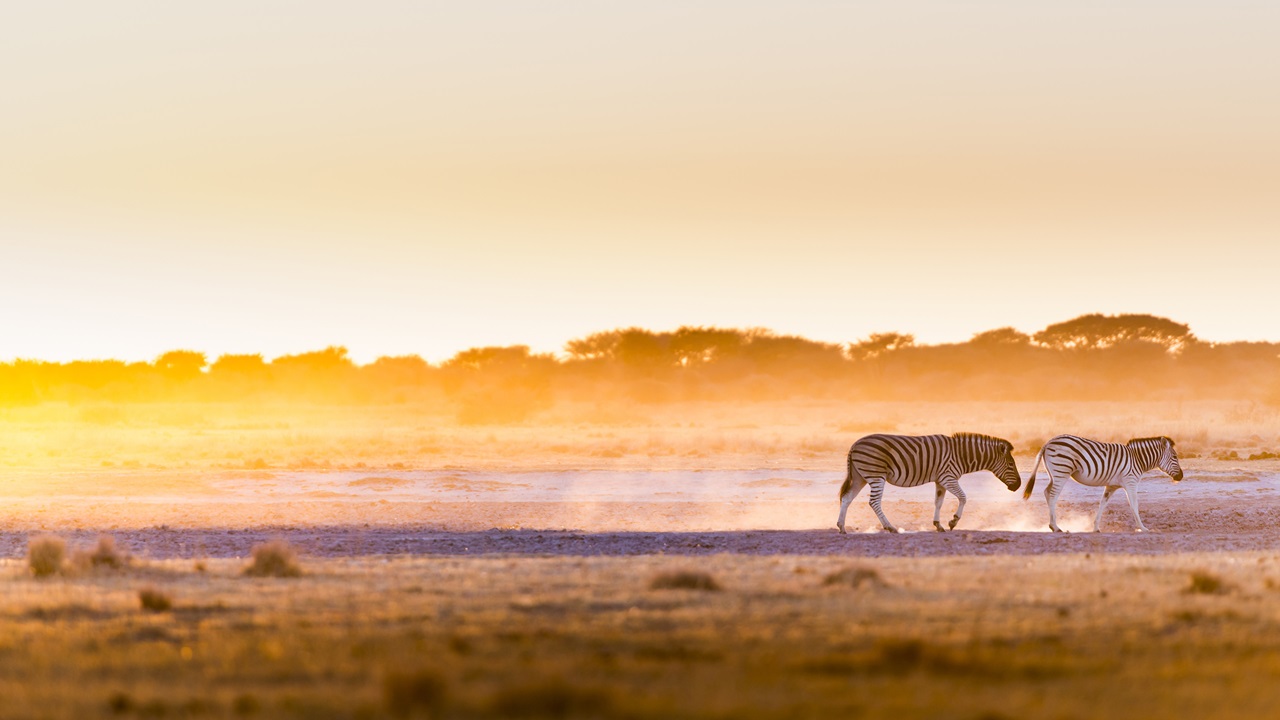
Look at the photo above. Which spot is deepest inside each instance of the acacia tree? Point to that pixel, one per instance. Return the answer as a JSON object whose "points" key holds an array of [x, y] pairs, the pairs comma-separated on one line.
{"points": [[181, 364], [1092, 332], [1004, 336], [879, 344], [498, 384]]}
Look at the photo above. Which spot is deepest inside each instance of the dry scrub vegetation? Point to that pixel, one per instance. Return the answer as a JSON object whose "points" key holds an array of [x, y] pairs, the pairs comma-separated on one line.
{"points": [[152, 443], [1056, 636]]}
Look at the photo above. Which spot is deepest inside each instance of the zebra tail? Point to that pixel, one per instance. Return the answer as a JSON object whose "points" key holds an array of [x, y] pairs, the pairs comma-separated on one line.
{"points": [[848, 478], [1031, 481]]}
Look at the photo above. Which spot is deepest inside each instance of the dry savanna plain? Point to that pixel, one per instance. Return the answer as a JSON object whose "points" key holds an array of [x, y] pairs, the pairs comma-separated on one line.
{"points": [[672, 562]]}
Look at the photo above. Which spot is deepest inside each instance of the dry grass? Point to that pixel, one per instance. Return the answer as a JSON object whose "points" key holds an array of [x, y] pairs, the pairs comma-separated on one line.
{"points": [[422, 691], [856, 577], [391, 638], [1205, 583], [46, 555], [803, 433], [274, 559], [551, 698], [153, 600], [105, 555], [684, 580]]}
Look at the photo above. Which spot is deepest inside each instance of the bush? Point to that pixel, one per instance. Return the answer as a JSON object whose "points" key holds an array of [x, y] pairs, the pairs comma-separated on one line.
{"points": [[855, 577], [246, 704], [46, 554], [900, 655], [550, 699], [274, 559], [406, 692], [684, 580], [106, 555], [153, 600], [1203, 583]]}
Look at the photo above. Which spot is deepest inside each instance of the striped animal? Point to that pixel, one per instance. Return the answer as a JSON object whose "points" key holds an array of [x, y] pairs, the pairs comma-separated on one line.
{"points": [[911, 460], [1095, 463]]}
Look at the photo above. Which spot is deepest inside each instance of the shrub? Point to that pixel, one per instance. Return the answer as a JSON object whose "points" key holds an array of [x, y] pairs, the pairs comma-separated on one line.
{"points": [[274, 559], [46, 554], [900, 655], [684, 580], [120, 702], [855, 577], [245, 704], [550, 699], [106, 555], [1203, 583], [406, 692], [153, 600]]}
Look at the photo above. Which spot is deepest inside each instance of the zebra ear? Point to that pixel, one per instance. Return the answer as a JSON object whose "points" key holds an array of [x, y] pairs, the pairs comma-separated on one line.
{"points": [[1008, 446], [1169, 440]]}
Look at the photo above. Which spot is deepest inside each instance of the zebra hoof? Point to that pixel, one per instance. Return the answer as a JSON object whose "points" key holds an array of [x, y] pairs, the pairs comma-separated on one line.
{"points": [[841, 529], [1055, 529], [954, 521], [939, 526]]}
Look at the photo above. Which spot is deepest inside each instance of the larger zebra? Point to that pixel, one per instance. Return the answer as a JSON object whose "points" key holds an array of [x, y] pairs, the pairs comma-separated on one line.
{"points": [[911, 460], [1095, 463]]}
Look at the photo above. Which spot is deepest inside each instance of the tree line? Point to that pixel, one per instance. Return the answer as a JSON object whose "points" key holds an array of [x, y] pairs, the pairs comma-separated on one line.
{"points": [[1092, 357]]}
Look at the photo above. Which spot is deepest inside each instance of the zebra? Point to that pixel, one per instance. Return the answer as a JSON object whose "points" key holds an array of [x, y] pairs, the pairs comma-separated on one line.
{"points": [[1095, 463], [911, 460]]}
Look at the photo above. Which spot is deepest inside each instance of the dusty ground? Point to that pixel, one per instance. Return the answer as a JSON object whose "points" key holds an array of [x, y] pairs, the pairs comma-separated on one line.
{"points": [[779, 511]]}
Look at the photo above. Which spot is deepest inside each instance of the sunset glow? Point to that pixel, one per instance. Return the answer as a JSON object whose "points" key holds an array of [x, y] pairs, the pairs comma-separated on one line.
{"points": [[410, 178]]}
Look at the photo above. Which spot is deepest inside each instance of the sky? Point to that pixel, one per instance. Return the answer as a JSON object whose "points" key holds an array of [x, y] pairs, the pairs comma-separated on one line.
{"points": [[416, 177]]}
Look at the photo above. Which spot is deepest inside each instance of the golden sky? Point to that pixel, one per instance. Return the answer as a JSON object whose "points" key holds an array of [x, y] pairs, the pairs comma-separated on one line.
{"points": [[411, 177]]}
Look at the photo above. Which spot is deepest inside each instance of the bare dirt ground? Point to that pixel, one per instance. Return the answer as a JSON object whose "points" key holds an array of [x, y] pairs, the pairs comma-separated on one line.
{"points": [[1219, 507]]}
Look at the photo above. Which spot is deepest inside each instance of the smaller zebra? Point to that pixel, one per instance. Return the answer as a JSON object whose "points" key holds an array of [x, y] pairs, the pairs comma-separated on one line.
{"points": [[1094, 463], [912, 460]]}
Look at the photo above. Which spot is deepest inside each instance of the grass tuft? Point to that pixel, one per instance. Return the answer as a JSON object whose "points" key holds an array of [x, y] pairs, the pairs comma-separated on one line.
{"points": [[855, 577], [899, 656], [407, 692], [274, 559], [120, 703], [105, 555], [684, 580], [154, 600], [552, 698], [246, 704], [1205, 583], [46, 555]]}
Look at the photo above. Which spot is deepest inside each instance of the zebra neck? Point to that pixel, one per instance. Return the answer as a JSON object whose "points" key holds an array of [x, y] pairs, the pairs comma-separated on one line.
{"points": [[1144, 458]]}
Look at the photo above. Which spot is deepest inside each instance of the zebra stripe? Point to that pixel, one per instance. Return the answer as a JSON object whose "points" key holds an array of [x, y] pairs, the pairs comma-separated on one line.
{"points": [[1094, 463], [912, 460]]}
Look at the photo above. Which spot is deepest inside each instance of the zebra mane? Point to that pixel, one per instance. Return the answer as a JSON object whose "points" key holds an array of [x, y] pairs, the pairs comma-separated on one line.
{"points": [[985, 438], [1160, 439]]}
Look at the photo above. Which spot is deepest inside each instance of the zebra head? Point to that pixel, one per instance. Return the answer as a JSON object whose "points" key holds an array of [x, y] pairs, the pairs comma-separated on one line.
{"points": [[1169, 460], [991, 453], [1157, 452], [1004, 467]]}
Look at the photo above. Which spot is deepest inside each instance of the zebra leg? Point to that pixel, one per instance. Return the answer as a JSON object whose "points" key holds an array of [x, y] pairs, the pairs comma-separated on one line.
{"points": [[846, 500], [1130, 491], [954, 487], [877, 492], [1106, 495], [937, 507], [1051, 493]]}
